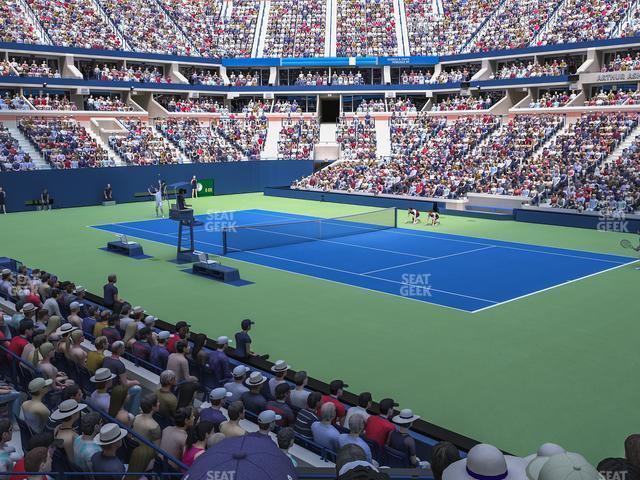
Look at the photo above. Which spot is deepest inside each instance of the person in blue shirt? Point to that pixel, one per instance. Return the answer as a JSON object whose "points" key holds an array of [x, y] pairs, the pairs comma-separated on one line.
{"points": [[89, 322], [212, 413], [219, 362], [243, 340], [324, 433], [356, 427], [253, 400], [110, 292], [110, 440], [159, 353], [236, 386]]}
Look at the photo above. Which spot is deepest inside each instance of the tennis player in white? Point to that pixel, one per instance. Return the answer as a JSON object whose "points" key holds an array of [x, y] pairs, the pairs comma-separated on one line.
{"points": [[157, 194]]}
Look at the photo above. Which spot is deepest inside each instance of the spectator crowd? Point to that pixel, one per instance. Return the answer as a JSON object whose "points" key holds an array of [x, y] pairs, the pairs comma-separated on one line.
{"points": [[142, 145], [76, 23], [12, 157], [34, 69], [64, 143], [48, 102], [296, 28], [104, 103], [14, 26], [458, 102], [112, 72], [552, 99], [366, 28], [531, 69], [297, 138]]}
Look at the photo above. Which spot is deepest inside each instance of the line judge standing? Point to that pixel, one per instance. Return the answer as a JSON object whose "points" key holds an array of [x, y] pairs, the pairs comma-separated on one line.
{"points": [[194, 187]]}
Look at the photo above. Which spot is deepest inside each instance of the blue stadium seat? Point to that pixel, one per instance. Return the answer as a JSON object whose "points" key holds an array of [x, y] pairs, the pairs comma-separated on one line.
{"points": [[396, 459]]}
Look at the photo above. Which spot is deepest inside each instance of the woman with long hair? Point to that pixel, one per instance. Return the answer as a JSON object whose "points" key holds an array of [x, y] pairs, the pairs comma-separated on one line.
{"points": [[130, 335], [116, 405], [196, 442], [443, 455], [52, 326]]}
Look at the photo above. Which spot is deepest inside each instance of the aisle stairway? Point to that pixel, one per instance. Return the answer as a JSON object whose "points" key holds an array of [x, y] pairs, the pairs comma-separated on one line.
{"points": [[271, 142], [383, 137], [327, 147], [259, 39], [27, 146]]}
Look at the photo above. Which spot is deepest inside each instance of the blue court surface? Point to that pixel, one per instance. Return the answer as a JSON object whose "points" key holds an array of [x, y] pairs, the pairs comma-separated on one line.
{"points": [[465, 273]]}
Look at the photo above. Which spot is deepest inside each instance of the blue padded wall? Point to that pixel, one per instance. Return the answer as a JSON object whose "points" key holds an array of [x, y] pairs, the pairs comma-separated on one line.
{"points": [[82, 187]]}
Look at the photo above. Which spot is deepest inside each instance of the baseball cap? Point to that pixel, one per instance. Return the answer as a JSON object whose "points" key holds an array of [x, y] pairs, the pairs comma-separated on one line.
{"points": [[246, 323], [149, 319], [137, 310], [182, 324], [337, 385], [387, 404], [37, 384], [222, 340], [219, 393], [75, 305], [46, 348], [5, 271], [80, 289], [164, 335], [268, 416]]}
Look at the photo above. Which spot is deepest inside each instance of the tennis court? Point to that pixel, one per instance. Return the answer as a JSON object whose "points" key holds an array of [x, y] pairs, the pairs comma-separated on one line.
{"points": [[368, 251]]}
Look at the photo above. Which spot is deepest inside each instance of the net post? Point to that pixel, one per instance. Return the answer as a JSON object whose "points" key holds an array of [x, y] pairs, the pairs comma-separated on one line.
{"points": [[224, 240], [395, 217]]}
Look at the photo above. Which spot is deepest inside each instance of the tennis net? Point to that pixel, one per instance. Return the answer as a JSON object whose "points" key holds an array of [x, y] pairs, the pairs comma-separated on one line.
{"points": [[255, 237]]}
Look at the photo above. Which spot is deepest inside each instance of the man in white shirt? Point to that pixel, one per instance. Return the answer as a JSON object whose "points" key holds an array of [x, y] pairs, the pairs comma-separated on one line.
{"points": [[364, 403], [298, 396], [126, 319], [157, 195]]}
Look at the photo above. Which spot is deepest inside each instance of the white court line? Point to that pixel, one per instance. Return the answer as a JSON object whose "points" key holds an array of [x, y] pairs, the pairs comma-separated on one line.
{"points": [[555, 286], [353, 273], [290, 272], [318, 266], [429, 260], [439, 237], [495, 304], [423, 235]]}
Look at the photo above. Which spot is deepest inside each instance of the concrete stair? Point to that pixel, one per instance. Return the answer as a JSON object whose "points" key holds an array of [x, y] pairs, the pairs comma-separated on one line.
{"points": [[112, 155], [383, 137], [92, 130], [28, 147], [257, 49], [175, 151], [271, 142], [327, 147], [624, 144], [549, 141], [402, 33]]}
